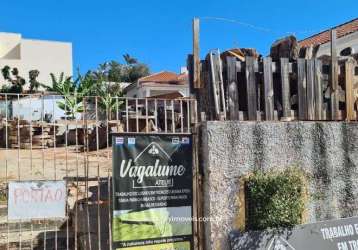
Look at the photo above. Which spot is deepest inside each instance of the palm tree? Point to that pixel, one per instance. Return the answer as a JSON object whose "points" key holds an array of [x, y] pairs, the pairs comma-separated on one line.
{"points": [[129, 60]]}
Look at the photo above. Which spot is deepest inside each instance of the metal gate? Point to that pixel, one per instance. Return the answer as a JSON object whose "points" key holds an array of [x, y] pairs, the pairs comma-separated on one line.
{"points": [[52, 137]]}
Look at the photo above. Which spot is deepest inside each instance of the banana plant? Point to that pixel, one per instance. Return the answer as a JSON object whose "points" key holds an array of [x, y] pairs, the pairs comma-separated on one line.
{"points": [[73, 93], [109, 94]]}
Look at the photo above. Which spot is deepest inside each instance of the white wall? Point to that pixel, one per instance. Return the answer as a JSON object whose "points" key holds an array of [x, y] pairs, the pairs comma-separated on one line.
{"points": [[45, 56], [350, 40]]}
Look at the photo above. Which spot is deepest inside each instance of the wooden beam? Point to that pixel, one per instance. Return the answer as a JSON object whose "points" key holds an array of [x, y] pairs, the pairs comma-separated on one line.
{"points": [[268, 87], [318, 90], [302, 89], [196, 54], [334, 77], [233, 88], [285, 86], [190, 68], [349, 77], [251, 88], [215, 84], [310, 90]]}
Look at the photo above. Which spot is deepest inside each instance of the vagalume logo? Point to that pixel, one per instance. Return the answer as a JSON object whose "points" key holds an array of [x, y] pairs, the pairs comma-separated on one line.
{"points": [[140, 171], [153, 150]]}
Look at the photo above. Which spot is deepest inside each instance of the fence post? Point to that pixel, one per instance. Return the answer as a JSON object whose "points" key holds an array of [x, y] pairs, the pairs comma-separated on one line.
{"points": [[285, 86], [349, 76], [334, 77], [318, 90], [310, 90], [251, 88], [268, 86], [233, 88], [302, 89]]}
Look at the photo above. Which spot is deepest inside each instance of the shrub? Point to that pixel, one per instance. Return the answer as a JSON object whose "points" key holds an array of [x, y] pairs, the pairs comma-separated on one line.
{"points": [[275, 199]]}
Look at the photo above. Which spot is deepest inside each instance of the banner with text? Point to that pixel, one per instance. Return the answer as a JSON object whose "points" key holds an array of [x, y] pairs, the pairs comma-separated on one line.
{"points": [[152, 188], [341, 234], [36, 200]]}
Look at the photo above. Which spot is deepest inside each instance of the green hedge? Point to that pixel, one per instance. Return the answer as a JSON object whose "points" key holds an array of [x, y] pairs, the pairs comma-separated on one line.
{"points": [[275, 199]]}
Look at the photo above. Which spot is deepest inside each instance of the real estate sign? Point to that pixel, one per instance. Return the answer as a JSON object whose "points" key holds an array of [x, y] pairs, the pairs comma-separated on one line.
{"points": [[152, 192], [36, 200]]}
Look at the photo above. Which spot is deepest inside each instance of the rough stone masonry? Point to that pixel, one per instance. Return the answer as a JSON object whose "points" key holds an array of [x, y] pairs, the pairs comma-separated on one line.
{"points": [[327, 151]]}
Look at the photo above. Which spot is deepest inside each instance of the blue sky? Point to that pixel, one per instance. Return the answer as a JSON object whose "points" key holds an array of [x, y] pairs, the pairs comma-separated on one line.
{"points": [[158, 32]]}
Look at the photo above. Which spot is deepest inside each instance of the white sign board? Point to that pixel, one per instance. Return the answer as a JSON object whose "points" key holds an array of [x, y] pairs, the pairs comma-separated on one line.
{"points": [[36, 200]]}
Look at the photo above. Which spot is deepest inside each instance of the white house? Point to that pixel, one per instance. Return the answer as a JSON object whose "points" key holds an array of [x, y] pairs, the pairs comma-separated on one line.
{"points": [[28, 54], [347, 40], [164, 84]]}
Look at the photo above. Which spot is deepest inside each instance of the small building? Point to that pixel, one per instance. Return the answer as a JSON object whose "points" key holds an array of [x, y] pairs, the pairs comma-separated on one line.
{"points": [[347, 40], [32, 108], [29, 54], [164, 83]]}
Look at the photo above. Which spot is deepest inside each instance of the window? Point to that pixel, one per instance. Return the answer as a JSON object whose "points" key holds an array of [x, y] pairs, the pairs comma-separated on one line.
{"points": [[346, 51]]}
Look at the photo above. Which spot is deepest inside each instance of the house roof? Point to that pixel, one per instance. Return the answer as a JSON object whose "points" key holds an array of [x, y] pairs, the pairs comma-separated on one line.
{"points": [[325, 36], [173, 95], [164, 77]]}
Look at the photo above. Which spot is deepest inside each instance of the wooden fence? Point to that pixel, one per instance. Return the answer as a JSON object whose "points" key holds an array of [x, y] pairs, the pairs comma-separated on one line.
{"points": [[261, 89]]}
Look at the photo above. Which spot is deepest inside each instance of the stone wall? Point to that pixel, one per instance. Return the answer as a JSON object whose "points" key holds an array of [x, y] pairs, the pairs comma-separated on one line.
{"points": [[327, 151]]}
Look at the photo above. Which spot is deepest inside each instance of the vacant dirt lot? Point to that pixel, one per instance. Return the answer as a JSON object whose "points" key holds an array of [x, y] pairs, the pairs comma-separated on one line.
{"points": [[48, 164], [53, 163]]}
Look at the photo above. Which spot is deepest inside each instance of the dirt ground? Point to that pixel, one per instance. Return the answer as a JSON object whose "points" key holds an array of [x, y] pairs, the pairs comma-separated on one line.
{"points": [[53, 163], [47, 164]]}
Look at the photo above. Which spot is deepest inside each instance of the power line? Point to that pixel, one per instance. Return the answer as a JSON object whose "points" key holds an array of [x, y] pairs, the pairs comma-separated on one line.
{"points": [[260, 28]]}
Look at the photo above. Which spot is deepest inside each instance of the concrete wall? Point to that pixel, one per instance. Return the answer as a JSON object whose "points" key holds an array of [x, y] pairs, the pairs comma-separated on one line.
{"points": [[327, 151], [26, 54], [33, 108]]}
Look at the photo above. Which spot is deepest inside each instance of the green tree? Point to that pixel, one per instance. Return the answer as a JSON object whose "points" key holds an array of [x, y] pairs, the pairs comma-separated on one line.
{"points": [[114, 71], [16, 82], [34, 84]]}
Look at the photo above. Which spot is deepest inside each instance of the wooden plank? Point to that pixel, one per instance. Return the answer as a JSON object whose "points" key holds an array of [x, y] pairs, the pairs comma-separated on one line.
{"points": [[196, 55], [251, 88], [318, 90], [221, 85], [334, 60], [214, 84], [233, 94], [334, 77], [302, 89], [190, 68], [349, 77], [285, 86], [310, 90], [268, 87]]}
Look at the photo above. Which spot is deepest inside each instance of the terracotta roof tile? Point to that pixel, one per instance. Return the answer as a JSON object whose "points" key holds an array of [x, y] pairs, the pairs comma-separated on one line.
{"points": [[162, 77], [173, 95], [324, 37]]}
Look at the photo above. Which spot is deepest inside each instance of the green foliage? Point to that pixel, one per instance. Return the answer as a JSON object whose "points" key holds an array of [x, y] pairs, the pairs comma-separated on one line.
{"points": [[114, 71], [108, 101], [73, 92], [15, 83], [34, 84], [275, 199]]}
